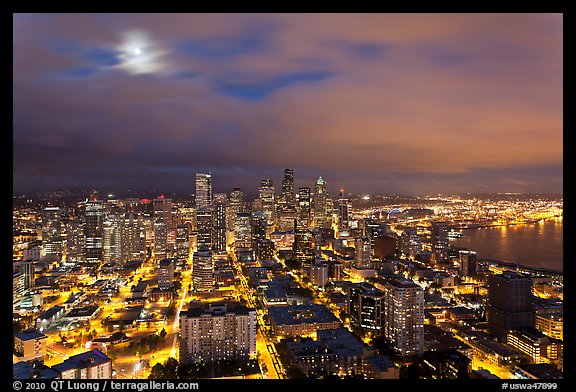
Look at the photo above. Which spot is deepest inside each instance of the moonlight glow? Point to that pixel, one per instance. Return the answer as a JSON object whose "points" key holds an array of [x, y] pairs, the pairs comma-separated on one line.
{"points": [[138, 54]]}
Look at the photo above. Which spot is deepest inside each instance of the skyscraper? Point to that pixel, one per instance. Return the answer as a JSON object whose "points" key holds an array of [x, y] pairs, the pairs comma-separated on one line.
{"points": [[411, 243], [75, 240], [509, 303], [163, 210], [202, 271], [365, 304], [243, 229], [304, 217], [204, 223], [363, 252], [467, 262], [404, 315], [266, 195], [112, 238], [203, 190], [439, 241], [237, 205], [52, 232], [133, 237], [219, 228], [183, 241], [93, 228], [160, 239], [288, 186], [322, 219], [343, 214]]}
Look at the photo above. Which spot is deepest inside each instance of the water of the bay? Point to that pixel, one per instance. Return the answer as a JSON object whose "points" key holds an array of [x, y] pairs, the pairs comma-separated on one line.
{"points": [[538, 245]]}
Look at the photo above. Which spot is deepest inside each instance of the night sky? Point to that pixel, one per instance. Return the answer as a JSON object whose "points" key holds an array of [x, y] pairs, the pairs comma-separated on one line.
{"points": [[385, 103]]}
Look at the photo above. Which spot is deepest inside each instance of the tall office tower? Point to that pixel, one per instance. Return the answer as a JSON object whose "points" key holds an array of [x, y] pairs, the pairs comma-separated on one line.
{"points": [[133, 237], [166, 269], [202, 271], [304, 246], [285, 217], [183, 241], [404, 315], [439, 239], [237, 205], [204, 227], [52, 233], [322, 219], [288, 186], [366, 305], [163, 210], [112, 238], [363, 257], [160, 239], [217, 331], [243, 228], [74, 240], [219, 228], [203, 190], [509, 303], [266, 195], [258, 228], [304, 216], [467, 262], [343, 214], [27, 270], [410, 242], [93, 228], [187, 215]]}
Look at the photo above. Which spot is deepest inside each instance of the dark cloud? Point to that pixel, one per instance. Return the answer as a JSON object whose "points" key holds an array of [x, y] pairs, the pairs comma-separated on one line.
{"points": [[408, 103]]}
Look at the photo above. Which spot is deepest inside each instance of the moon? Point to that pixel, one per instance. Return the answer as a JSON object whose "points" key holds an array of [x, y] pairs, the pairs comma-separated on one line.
{"points": [[137, 51]]}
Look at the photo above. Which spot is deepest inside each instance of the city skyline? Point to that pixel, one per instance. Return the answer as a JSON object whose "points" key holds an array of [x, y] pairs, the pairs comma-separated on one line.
{"points": [[372, 103]]}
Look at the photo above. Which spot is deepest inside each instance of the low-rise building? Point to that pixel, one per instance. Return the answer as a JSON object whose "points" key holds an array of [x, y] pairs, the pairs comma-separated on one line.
{"points": [[48, 317], [30, 345], [91, 365], [301, 320], [539, 347]]}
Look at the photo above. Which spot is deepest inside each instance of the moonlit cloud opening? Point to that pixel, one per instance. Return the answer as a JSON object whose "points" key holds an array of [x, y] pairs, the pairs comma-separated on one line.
{"points": [[138, 54]]}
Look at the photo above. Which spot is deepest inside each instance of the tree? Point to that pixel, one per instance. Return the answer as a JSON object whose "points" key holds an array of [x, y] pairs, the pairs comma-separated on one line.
{"points": [[163, 334]]}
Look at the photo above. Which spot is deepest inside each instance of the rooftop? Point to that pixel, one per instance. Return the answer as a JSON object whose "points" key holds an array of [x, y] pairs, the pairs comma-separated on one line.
{"points": [[80, 361], [301, 314], [30, 334]]}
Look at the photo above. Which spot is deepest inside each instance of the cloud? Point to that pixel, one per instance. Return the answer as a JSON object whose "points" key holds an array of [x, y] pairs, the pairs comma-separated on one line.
{"points": [[444, 99]]}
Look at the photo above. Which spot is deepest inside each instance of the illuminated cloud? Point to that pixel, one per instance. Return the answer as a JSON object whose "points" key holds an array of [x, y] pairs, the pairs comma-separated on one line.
{"points": [[139, 54]]}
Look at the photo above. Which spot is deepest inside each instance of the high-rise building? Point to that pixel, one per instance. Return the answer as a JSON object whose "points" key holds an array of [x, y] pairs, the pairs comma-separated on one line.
{"points": [[133, 237], [363, 252], [166, 273], [243, 228], [410, 242], [183, 241], [160, 239], [258, 228], [219, 228], [285, 217], [163, 210], [319, 274], [93, 228], [365, 306], [27, 269], [203, 190], [304, 247], [265, 250], [322, 218], [112, 238], [217, 331], [202, 271], [52, 232], [92, 364], [266, 195], [509, 303], [343, 214], [304, 216], [288, 186], [204, 226], [439, 241], [467, 262], [404, 315], [237, 206], [75, 240], [17, 286]]}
